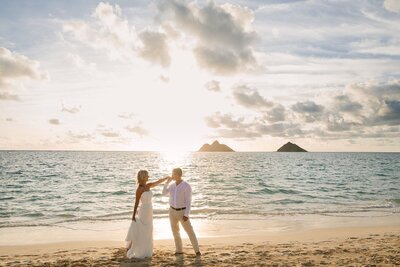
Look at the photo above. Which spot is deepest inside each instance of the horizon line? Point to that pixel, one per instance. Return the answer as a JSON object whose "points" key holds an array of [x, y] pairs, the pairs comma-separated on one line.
{"points": [[187, 151]]}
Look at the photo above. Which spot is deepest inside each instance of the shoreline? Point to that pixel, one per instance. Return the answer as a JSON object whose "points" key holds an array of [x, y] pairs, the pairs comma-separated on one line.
{"points": [[329, 246], [115, 231]]}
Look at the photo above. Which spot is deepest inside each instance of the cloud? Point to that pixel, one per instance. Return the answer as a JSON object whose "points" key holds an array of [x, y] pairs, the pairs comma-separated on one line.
{"points": [[309, 110], [8, 96], [109, 133], [15, 69], [155, 48], [227, 126], [126, 116], [336, 123], [280, 130], [139, 130], [392, 5], [72, 110], [344, 104], [79, 136], [54, 121], [380, 102], [213, 86], [225, 120], [276, 114], [107, 31], [250, 98], [224, 38], [81, 63], [361, 110], [164, 78]]}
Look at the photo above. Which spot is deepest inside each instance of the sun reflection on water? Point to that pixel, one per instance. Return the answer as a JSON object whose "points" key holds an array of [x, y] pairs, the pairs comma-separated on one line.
{"points": [[173, 159]]}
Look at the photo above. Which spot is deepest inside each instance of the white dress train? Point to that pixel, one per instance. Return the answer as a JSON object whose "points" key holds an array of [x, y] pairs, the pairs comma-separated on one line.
{"points": [[139, 239]]}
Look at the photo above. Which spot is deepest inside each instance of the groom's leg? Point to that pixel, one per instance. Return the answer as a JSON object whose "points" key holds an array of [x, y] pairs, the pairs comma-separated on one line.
{"points": [[174, 220], [190, 232]]}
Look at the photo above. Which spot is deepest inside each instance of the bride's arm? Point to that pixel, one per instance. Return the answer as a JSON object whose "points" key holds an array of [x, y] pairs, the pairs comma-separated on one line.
{"points": [[139, 193], [151, 185]]}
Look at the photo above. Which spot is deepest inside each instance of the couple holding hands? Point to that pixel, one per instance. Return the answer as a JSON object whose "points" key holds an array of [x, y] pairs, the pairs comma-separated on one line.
{"points": [[140, 234]]}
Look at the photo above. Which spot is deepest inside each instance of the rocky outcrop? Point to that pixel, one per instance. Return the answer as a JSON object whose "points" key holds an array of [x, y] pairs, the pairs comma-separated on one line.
{"points": [[215, 147], [290, 147]]}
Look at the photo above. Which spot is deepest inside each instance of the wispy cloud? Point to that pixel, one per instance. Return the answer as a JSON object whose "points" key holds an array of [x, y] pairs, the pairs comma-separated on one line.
{"points": [[139, 130], [72, 110], [213, 86]]}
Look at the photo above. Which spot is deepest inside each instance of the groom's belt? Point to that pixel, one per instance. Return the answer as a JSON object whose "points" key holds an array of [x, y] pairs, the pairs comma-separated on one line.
{"points": [[178, 208]]}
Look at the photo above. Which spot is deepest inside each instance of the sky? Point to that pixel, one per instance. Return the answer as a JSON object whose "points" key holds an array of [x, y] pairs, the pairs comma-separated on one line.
{"points": [[172, 75]]}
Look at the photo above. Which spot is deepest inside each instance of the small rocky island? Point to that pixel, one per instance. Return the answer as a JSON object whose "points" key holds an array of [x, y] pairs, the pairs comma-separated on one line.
{"points": [[215, 147], [290, 147]]}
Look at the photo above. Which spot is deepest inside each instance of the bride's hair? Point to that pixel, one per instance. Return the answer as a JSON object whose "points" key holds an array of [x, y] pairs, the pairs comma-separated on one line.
{"points": [[141, 177]]}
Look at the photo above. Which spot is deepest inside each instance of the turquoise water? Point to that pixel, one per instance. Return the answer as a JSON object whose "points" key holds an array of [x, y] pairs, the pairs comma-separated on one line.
{"points": [[51, 188]]}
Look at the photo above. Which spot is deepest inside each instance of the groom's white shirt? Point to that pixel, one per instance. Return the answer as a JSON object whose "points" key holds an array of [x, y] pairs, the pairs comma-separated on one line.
{"points": [[179, 196]]}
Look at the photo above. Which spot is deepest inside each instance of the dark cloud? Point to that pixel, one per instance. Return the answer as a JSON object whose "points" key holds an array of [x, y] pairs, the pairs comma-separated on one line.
{"points": [[54, 121], [390, 113], [336, 123], [380, 102], [344, 104], [250, 98], [155, 48], [374, 114], [307, 107], [309, 111], [229, 127], [280, 129], [276, 114]]}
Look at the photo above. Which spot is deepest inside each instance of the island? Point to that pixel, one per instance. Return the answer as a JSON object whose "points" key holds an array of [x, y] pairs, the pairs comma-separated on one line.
{"points": [[215, 147], [290, 147]]}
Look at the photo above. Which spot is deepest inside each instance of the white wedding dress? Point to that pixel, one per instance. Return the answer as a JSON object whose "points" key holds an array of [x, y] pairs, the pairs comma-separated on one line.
{"points": [[139, 239]]}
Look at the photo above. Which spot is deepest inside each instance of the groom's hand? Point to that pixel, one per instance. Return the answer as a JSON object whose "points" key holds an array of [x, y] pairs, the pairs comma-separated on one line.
{"points": [[185, 218]]}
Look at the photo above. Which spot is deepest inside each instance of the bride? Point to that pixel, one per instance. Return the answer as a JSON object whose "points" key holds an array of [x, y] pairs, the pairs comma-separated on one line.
{"points": [[139, 240]]}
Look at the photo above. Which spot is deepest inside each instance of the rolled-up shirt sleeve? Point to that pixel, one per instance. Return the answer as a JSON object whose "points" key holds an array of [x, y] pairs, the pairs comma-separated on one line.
{"points": [[165, 190], [188, 199]]}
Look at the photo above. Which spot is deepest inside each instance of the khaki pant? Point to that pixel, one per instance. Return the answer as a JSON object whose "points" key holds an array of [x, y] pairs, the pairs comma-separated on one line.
{"points": [[176, 217]]}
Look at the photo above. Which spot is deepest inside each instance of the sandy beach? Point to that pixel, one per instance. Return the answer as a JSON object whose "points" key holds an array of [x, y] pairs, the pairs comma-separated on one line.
{"points": [[355, 246]]}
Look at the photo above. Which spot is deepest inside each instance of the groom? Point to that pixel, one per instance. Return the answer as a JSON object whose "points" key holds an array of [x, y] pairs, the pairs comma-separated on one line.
{"points": [[180, 197]]}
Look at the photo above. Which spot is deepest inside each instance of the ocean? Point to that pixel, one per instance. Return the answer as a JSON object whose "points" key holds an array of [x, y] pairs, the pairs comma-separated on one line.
{"points": [[50, 188]]}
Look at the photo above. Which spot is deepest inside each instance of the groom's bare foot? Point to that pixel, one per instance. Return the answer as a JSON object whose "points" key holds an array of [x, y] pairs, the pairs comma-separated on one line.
{"points": [[178, 253]]}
